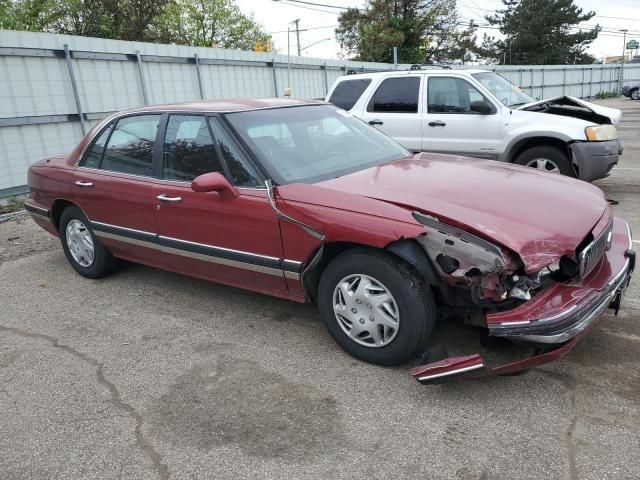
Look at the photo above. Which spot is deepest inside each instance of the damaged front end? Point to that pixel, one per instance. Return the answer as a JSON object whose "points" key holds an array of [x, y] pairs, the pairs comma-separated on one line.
{"points": [[490, 274], [545, 313]]}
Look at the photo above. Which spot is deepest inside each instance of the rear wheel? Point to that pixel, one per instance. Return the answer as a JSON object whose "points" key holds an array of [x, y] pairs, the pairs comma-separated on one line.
{"points": [[83, 250], [547, 159], [376, 307]]}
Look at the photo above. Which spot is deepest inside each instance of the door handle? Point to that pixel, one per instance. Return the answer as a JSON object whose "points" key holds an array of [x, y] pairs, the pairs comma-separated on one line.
{"points": [[376, 122], [437, 123], [80, 183], [163, 198]]}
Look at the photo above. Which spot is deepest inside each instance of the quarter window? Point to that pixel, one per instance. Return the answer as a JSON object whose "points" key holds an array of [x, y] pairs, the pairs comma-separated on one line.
{"points": [[94, 155], [397, 95], [130, 147], [347, 93], [451, 95]]}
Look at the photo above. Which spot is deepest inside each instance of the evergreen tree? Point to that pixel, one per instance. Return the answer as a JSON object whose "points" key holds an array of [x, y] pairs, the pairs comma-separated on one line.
{"points": [[539, 32]]}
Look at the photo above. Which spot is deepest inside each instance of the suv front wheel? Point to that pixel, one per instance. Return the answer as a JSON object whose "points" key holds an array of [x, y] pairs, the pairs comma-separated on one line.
{"points": [[546, 159]]}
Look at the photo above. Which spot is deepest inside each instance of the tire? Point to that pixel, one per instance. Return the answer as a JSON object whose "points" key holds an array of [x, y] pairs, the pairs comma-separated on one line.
{"points": [[635, 94], [411, 300], [545, 158], [74, 234]]}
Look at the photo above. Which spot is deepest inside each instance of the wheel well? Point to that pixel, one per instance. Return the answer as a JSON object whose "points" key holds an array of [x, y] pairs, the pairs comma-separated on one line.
{"points": [[56, 210], [406, 250], [527, 143]]}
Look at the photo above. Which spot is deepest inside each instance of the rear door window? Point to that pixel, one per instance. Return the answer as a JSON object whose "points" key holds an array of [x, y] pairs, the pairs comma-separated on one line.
{"points": [[130, 147], [347, 92], [396, 95]]}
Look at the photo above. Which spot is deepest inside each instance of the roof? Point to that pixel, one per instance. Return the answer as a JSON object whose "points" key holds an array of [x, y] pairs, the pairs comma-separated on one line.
{"points": [[226, 105]]}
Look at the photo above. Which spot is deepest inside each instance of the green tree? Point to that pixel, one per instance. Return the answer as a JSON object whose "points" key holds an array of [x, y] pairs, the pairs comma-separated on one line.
{"points": [[188, 22], [539, 32], [208, 23], [423, 30], [32, 15]]}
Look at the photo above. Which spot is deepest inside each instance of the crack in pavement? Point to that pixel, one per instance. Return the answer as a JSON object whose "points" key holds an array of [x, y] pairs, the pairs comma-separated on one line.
{"points": [[571, 385], [161, 469]]}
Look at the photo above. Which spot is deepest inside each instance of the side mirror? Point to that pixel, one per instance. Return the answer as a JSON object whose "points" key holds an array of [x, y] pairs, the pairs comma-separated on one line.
{"points": [[214, 182], [481, 107]]}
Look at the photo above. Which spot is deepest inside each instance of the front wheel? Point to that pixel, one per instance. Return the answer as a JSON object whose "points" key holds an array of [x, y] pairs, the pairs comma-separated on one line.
{"points": [[376, 307], [547, 159], [635, 94]]}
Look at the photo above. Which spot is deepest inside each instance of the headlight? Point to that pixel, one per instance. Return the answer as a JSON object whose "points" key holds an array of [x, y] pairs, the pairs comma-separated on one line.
{"points": [[601, 133]]}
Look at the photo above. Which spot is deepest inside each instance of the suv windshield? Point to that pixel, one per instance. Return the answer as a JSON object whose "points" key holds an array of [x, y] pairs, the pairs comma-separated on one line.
{"points": [[312, 143], [503, 89]]}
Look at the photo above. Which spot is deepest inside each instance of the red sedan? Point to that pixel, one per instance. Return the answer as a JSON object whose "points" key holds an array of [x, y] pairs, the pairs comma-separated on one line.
{"points": [[303, 201]]}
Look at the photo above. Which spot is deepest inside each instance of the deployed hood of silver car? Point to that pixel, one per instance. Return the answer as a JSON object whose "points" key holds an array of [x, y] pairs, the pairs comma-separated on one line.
{"points": [[575, 107]]}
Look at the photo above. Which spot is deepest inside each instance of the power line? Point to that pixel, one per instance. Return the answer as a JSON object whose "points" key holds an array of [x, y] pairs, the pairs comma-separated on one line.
{"points": [[305, 7], [314, 4], [308, 28]]}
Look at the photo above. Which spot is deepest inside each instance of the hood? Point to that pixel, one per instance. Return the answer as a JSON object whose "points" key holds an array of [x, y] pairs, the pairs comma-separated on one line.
{"points": [[575, 107], [538, 215]]}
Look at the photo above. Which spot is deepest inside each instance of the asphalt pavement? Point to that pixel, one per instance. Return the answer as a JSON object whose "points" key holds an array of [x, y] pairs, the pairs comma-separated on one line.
{"points": [[151, 375]]}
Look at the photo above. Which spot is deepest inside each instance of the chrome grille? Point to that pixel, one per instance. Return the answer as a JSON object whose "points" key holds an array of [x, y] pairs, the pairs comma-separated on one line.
{"points": [[589, 257]]}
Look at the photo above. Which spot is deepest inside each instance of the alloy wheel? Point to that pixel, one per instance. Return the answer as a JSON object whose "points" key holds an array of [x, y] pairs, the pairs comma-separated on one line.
{"points": [[635, 94], [545, 165], [366, 310]]}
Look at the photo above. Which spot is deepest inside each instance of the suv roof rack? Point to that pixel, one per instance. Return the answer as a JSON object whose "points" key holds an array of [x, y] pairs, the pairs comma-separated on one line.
{"points": [[417, 66], [426, 66]]}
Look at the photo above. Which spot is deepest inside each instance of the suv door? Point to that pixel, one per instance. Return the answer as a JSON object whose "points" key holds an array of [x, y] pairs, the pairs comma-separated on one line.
{"points": [[394, 107], [450, 126], [112, 185], [228, 240]]}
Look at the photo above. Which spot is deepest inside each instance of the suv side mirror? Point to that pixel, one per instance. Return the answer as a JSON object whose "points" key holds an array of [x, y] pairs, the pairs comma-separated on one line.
{"points": [[214, 182], [481, 107]]}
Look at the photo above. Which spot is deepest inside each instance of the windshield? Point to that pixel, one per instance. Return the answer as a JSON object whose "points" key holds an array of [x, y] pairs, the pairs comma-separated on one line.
{"points": [[503, 89], [313, 143]]}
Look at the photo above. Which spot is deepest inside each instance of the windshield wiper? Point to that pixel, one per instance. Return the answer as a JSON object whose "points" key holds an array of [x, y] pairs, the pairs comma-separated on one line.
{"points": [[517, 104]]}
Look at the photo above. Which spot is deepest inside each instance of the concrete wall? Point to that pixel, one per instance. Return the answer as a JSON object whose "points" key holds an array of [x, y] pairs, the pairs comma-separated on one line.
{"points": [[40, 115]]}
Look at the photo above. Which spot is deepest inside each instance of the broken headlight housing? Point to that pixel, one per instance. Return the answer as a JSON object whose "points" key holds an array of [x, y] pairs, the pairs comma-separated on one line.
{"points": [[466, 260]]}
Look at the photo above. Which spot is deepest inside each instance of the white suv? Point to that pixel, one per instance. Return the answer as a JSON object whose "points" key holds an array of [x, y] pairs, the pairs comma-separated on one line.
{"points": [[479, 113]]}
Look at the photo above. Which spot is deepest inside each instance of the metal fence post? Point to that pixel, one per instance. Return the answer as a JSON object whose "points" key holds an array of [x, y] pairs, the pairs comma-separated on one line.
{"points": [[326, 80], [542, 93], [200, 85], [582, 84], [74, 87], [564, 81], [591, 82], [145, 97], [275, 77]]}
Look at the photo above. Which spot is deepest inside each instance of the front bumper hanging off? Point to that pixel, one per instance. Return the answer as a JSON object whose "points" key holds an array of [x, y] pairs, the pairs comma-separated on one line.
{"points": [[555, 320]]}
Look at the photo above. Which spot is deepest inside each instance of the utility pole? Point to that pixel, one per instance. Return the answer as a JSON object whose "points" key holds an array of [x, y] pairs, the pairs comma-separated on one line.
{"points": [[624, 47], [297, 22]]}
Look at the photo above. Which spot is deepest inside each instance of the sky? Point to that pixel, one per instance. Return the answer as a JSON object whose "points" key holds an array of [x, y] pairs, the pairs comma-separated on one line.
{"points": [[317, 23]]}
